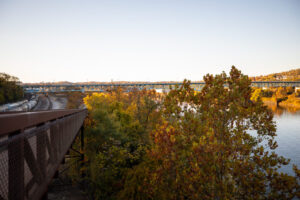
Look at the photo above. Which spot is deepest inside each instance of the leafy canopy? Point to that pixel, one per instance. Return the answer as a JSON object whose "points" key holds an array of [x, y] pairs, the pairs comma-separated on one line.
{"points": [[215, 144]]}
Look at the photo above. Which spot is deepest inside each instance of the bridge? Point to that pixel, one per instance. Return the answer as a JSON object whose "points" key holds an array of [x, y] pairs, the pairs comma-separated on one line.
{"points": [[36, 88], [32, 146]]}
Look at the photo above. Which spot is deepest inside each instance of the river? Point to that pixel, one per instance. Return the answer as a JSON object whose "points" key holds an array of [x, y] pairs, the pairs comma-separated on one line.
{"points": [[288, 136]]}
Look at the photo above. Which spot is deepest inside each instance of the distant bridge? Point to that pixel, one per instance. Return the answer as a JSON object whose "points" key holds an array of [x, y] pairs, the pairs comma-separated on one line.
{"points": [[36, 88]]}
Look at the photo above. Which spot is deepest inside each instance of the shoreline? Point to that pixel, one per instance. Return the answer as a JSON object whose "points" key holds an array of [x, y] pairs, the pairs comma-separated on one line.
{"points": [[288, 105]]}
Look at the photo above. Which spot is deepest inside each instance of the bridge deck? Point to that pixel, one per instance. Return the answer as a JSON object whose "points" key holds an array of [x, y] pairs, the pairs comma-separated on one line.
{"points": [[33, 88]]}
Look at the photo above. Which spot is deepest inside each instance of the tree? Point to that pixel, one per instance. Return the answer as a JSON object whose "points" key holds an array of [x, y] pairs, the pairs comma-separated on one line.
{"points": [[267, 93], [290, 90], [117, 136], [75, 100], [256, 95], [216, 144], [10, 91], [281, 93]]}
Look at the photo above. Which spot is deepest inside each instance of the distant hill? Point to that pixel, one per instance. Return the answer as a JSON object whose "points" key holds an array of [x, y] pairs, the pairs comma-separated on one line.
{"points": [[292, 75], [97, 82]]}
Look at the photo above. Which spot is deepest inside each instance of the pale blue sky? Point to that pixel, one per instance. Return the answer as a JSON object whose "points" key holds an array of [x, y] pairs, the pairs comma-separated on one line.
{"points": [[146, 40]]}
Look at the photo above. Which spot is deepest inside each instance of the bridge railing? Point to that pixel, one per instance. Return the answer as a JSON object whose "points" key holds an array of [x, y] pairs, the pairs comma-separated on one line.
{"points": [[32, 146]]}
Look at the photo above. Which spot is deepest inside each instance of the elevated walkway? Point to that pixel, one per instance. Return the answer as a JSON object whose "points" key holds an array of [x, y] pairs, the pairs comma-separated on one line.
{"points": [[32, 146]]}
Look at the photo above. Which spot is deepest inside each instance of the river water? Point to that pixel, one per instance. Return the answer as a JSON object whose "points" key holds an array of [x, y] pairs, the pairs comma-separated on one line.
{"points": [[288, 136]]}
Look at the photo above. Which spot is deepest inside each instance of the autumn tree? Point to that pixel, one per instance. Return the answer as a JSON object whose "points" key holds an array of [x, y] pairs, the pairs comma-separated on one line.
{"points": [[215, 144], [290, 90], [117, 136], [297, 93], [267, 93], [256, 94], [75, 99], [281, 93]]}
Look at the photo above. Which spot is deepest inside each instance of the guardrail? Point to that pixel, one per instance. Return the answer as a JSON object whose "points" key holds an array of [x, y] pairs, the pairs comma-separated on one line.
{"points": [[32, 146]]}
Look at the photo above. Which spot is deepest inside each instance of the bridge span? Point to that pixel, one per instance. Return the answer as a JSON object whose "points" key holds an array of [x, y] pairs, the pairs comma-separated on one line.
{"points": [[32, 146], [36, 88]]}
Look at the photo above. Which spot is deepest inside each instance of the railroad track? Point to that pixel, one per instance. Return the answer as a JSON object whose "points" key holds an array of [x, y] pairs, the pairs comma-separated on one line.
{"points": [[44, 103]]}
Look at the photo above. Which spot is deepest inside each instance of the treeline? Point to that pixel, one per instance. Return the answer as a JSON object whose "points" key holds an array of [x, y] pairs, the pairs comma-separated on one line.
{"points": [[292, 75], [286, 97], [183, 145], [10, 90]]}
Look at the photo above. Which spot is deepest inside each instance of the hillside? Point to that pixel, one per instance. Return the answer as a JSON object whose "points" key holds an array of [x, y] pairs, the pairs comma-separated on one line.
{"points": [[292, 75]]}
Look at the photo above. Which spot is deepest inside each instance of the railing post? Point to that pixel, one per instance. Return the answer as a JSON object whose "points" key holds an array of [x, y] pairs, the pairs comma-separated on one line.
{"points": [[16, 168], [82, 148], [41, 151], [53, 142]]}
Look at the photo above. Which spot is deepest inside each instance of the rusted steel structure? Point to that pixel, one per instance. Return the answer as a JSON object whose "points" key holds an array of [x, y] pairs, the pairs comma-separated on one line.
{"points": [[32, 146]]}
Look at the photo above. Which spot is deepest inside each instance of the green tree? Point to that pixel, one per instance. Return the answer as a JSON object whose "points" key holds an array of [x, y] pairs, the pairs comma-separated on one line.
{"points": [[216, 144], [10, 91]]}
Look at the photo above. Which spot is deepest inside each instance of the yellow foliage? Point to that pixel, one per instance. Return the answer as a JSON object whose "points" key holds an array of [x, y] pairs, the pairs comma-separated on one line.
{"points": [[256, 95], [91, 100]]}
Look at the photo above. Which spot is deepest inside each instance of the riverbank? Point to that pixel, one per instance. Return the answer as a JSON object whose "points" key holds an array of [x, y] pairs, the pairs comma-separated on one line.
{"points": [[269, 101], [292, 103]]}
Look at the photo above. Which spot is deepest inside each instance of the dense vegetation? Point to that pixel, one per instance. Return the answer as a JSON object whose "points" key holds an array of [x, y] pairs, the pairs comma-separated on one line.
{"points": [[285, 97], [215, 144], [75, 99], [10, 91], [292, 75]]}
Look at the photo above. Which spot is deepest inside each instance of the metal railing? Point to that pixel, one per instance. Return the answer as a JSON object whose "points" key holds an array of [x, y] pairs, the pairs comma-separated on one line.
{"points": [[32, 146]]}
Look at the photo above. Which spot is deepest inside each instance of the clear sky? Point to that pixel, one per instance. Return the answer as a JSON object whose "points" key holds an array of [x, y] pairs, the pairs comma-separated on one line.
{"points": [[146, 40]]}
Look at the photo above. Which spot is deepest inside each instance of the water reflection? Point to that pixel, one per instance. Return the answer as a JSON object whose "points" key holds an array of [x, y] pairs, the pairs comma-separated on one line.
{"points": [[277, 110], [288, 135]]}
